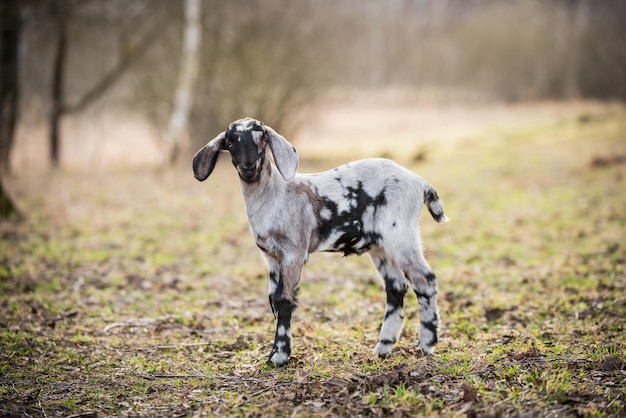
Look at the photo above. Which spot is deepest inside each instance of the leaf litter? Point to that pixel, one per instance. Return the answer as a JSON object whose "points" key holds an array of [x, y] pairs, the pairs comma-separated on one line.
{"points": [[159, 307]]}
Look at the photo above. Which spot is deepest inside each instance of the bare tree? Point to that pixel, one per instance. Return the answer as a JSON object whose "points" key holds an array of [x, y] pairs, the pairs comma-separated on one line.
{"points": [[10, 22], [572, 69], [62, 13], [58, 71], [268, 60], [7, 207], [187, 75]]}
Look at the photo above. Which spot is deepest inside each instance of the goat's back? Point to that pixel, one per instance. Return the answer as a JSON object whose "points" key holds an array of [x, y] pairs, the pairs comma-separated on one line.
{"points": [[355, 204]]}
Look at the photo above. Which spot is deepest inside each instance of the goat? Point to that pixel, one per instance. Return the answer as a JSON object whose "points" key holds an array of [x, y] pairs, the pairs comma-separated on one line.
{"points": [[370, 205]]}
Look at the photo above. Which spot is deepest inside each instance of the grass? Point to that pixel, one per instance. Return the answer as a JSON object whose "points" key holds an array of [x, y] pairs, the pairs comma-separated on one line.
{"points": [[141, 293]]}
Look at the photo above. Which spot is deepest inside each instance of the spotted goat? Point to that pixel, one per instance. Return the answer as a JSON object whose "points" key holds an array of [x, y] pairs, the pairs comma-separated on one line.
{"points": [[371, 205]]}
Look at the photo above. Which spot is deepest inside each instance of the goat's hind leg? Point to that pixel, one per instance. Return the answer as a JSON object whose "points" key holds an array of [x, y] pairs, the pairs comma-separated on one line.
{"points": [[395, 287], [424, 284]]}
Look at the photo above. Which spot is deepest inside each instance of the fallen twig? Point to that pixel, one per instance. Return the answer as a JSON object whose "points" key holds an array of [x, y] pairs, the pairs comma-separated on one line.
{"points": [[83, 414], [166, 347], [176, 376], [143, 322], [43, 411], [130, 324], [67, 314], [206, 377]]}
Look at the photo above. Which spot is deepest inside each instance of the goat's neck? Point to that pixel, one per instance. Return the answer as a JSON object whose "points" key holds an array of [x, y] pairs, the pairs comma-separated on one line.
{"points": [[260, 195]]}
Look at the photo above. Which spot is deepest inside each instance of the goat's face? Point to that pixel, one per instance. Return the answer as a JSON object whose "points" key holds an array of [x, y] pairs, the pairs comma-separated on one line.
{"points": [[246, 141]]}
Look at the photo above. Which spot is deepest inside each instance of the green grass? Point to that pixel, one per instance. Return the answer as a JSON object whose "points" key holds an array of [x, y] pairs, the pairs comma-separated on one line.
{"points": [[146, 294]]}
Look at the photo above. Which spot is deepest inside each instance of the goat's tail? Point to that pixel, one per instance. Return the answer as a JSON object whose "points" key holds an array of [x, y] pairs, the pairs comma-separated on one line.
{"points": [[434, 205]]}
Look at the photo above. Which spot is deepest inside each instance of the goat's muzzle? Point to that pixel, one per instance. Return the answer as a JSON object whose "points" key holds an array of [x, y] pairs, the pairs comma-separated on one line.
{"points": [[249, 173]]}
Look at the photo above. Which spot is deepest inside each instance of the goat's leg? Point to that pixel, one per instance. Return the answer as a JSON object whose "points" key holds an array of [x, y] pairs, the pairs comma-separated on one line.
{"points": [[282, 301], [396, 287], [282, 308], [424, 284]]}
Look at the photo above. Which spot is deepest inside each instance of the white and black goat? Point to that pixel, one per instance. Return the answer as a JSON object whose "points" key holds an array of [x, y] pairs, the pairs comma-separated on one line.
{"points": [[371, 205]]}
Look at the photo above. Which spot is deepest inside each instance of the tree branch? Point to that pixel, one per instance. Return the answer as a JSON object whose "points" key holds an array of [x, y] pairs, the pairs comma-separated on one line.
{"points": [[118, 71]]}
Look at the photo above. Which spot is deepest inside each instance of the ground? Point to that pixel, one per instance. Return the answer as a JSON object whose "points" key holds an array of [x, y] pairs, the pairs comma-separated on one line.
{"points": [[140, 292]]}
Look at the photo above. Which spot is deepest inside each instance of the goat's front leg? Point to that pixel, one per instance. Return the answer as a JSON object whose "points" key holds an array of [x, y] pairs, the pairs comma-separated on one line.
{"points": [[282, 293]]}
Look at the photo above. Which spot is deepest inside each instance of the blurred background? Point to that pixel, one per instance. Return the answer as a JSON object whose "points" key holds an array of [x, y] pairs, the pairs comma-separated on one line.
{"points": [[100, 83], [513, 109]]}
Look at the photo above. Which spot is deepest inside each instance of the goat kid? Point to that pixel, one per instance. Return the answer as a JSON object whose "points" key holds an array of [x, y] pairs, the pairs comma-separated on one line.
{"points": [[371, 205]]}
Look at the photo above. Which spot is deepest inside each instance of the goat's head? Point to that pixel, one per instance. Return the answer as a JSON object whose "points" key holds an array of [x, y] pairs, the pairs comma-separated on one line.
{"points": [[247, 140]]}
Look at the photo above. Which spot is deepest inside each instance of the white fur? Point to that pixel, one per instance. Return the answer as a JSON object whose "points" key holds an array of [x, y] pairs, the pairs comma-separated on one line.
{"points": [[371, 205]]}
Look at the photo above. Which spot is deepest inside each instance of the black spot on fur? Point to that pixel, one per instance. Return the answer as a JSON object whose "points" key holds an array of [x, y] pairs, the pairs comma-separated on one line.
{"points": [[353, 238], [423, 298], [282, 309], [430, 197], [432, 327], [395, 298], [381, 263], [392, 311], [244, 153]]}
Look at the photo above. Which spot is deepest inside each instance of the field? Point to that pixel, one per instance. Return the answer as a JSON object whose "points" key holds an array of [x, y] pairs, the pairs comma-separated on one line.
{"points": [[140, 292]]}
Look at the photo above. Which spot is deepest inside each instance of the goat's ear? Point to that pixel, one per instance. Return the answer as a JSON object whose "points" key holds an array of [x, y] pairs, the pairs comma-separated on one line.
{"points": [[285, 154], [205, 159]]}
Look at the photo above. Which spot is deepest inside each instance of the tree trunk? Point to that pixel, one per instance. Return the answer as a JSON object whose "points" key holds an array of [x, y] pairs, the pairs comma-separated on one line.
{"points": [[59, 107], [577, 30], [57, 104], [10, 23], [7, 207], [377, 48], [186, 78]]}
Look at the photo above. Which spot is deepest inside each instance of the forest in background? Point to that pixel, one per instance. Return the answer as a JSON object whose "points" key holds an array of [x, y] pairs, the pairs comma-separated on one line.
{"points": [[273, 60], [128, 288]]}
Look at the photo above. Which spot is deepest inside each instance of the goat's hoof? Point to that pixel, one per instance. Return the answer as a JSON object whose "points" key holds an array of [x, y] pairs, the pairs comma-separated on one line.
{"points": [[427, 350], [278, 358], [383, 350]]}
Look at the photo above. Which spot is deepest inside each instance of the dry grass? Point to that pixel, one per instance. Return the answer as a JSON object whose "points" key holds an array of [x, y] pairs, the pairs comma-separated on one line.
{"points": [[141, 293]]}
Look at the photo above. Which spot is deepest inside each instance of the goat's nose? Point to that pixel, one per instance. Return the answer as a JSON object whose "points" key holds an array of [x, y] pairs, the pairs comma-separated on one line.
{"points": [[248, 166]]}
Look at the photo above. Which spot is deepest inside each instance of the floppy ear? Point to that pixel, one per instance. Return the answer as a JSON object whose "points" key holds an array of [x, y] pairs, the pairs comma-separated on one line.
{"points": [[205, 159], [285, 155]]}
